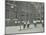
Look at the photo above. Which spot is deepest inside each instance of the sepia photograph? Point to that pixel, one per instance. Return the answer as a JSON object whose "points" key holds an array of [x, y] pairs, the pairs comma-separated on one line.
{"points": [[24, 17]]}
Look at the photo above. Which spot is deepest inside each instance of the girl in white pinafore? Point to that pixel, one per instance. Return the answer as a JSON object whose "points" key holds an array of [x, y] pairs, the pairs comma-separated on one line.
{"points": [[24, 24], [28, 24]]}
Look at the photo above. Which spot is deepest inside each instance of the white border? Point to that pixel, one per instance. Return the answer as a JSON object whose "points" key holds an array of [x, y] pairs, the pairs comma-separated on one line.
{"points": [[2, 17], [28, 0]]}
